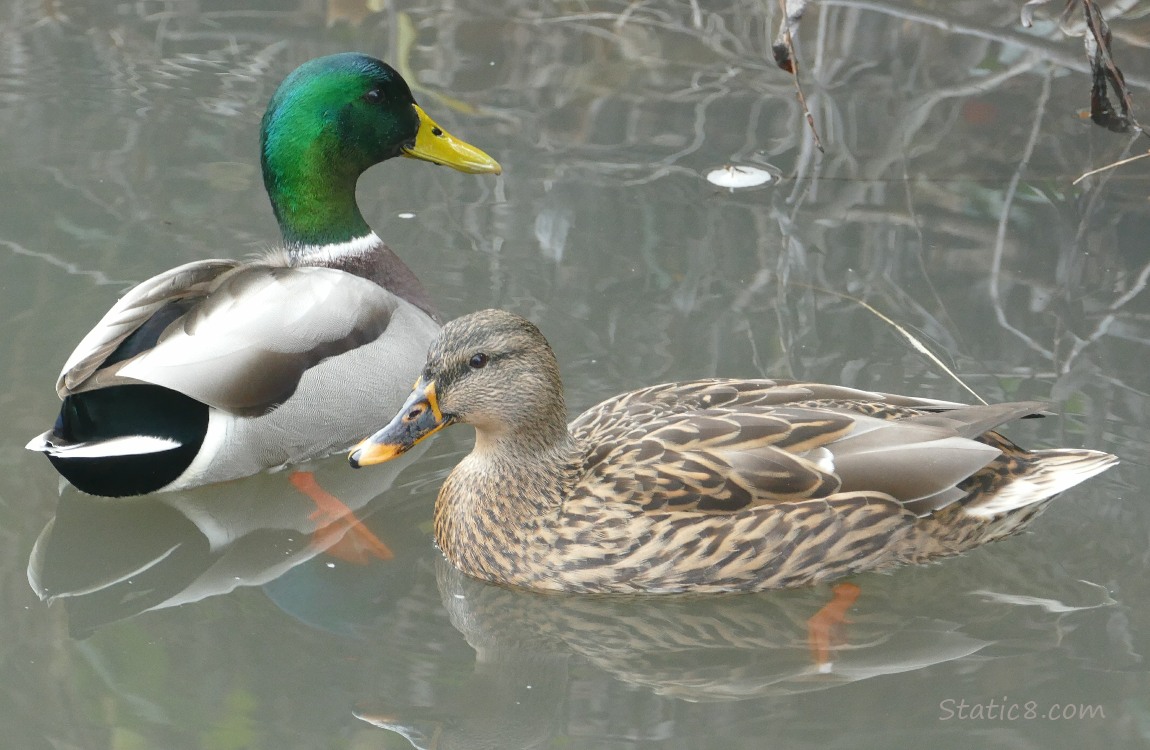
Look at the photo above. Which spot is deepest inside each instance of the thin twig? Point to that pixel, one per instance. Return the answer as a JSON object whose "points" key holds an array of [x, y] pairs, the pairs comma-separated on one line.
{"points": [[1103, 326], [917, 345], [1118, 163], [98, 276], [1004, 220]]}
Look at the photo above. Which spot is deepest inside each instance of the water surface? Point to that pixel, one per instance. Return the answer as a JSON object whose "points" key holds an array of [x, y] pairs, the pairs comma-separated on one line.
{"points": [[944, 200]]}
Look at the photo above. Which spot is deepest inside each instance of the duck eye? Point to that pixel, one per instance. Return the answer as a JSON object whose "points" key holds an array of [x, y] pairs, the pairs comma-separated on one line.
{"points": [[478, 361], [374, 96]]}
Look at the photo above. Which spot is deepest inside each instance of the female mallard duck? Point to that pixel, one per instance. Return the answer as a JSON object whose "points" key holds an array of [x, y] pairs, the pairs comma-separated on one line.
{"points": [[218, 369], [708, 485]]}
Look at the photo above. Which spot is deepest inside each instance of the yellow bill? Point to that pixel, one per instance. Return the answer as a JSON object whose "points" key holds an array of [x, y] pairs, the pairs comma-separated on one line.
{"points": [[436, 145]]}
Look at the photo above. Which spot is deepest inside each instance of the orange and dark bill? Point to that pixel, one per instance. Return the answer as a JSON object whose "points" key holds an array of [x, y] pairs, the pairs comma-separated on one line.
{"points": [[418, 418]]}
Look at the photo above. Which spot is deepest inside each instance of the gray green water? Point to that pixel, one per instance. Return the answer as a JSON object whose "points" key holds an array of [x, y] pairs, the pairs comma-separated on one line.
{"points": [[944, 200]]}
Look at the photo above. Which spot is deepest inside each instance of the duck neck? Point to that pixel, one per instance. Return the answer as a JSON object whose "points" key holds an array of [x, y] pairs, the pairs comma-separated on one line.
{"points": [[312, 193], [368, 258], [543, 463], [508, 491], [534, 450], [314, 202], [345, 255]]}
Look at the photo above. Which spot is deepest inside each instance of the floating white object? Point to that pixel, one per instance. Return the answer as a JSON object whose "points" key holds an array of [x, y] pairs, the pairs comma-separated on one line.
{"points": [[734, 177]]}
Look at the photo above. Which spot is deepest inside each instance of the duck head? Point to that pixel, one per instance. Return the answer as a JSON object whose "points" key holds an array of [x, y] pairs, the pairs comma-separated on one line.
{"points": [[330, 120], [493, 370]]}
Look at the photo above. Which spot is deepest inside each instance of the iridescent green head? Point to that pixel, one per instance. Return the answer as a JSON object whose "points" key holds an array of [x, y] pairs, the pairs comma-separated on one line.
{"points": [[331, 119]]}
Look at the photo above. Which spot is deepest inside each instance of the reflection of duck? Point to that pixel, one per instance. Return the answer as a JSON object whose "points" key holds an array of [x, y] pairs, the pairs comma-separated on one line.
{"points": [[706, 486], [545, 665], [700, 648], [107, 560], [695, 649], [218, 369]]}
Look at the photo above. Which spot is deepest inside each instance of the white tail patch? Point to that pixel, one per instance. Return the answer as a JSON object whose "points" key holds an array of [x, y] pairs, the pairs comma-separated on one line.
{"points": [[130, 445], [1052, 472], [822, 458]]}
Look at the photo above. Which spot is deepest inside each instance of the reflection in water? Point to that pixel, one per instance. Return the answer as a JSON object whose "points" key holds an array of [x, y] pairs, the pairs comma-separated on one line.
{"points": [[698, 649], [694, 649], [108, 560]]}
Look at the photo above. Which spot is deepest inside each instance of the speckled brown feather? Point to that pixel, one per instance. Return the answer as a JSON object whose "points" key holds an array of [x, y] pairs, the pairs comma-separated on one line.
{"points": [[716, 485]]}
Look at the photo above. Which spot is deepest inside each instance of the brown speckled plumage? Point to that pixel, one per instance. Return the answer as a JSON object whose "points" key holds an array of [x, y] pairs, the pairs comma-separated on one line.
{"points": [[710, 485]]}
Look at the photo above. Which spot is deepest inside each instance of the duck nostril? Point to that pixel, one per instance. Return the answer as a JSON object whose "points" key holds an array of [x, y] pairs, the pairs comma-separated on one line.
{"points": [[436, 132], [414, 414]]}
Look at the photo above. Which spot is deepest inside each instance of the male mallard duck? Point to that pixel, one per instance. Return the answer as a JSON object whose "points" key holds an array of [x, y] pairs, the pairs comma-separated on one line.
{"points": [[708, 485], [218, 369]]}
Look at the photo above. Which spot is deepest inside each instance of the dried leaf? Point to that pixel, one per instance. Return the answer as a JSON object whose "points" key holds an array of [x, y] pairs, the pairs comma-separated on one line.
{"points": [[1106, 75], [783, 49], [784, 52]]}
